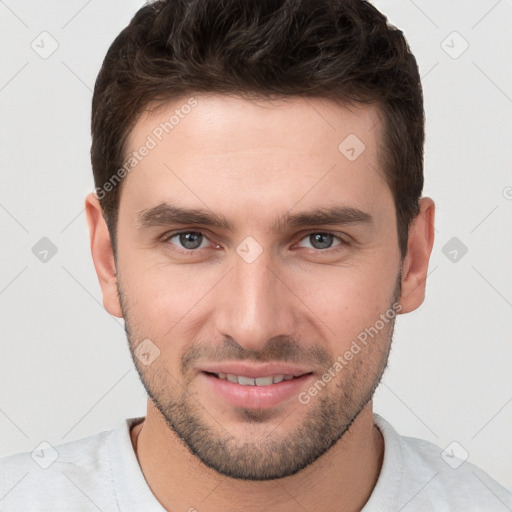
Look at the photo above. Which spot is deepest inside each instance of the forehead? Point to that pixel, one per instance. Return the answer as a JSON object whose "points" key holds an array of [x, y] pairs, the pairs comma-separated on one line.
{"points": [[317, 122], [255, 154]]}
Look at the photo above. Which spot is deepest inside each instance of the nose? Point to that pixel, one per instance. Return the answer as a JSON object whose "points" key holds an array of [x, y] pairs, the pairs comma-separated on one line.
{"points": [[254, 303]]}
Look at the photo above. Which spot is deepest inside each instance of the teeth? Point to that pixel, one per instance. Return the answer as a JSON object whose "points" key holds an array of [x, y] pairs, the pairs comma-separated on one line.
{"points": [[248, 381], [264, 381], [245, 381]]}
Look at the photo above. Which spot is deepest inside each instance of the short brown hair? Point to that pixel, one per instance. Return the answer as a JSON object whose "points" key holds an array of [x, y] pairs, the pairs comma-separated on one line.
{"points": [[343, 50]]}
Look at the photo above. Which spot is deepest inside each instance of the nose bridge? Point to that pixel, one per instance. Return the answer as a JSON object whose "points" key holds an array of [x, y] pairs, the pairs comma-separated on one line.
{"points": [[254, 305]]}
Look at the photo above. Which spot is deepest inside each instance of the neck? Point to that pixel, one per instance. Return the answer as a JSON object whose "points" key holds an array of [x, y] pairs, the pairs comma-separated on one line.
{"points": [[340, 481]]}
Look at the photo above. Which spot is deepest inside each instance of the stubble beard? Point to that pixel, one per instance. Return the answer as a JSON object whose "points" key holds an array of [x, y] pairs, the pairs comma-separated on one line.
{"points": [[270, 455]]}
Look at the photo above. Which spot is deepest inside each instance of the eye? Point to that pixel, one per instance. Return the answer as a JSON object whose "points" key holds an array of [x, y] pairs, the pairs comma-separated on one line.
{"points": [[322, 240], [187, 240], [192, 241]]}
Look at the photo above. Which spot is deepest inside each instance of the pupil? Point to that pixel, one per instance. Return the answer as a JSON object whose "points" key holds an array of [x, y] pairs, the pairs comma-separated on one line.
{"points": [[320, 237], [190, 240]]}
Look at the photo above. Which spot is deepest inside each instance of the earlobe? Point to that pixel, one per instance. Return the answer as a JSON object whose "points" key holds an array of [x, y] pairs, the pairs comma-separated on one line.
{"points": [[102, 255], [415, 265]]}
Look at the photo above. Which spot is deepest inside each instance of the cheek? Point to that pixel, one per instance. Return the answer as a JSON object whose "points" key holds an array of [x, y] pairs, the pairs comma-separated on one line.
{"points": [[349, 300], [164, 299]]}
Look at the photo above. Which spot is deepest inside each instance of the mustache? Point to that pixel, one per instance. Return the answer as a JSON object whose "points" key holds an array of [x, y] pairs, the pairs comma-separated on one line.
{"points": [[279, 349]]}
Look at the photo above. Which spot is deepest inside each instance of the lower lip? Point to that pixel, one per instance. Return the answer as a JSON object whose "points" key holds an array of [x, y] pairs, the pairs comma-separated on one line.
{"points": [[255, 397]]}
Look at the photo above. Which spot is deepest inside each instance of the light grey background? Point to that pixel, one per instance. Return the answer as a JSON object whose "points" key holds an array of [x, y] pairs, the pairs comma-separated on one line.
{"points": [[65, 366]]}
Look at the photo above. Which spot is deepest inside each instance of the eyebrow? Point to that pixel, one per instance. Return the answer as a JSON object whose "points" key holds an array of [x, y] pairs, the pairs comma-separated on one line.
{"points": [[166, 214]]}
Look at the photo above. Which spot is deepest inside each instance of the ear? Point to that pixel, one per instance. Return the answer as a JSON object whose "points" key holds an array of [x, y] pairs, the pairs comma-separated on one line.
{"points": [[415, 264], [102, 255]]}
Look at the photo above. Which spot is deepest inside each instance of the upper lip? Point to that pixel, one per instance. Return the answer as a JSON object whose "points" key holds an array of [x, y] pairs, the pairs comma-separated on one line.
{"points": [[254, 370]]}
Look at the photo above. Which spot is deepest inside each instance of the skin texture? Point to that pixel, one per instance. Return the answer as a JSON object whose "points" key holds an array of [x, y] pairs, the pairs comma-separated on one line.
{"points": [[298, 301]]}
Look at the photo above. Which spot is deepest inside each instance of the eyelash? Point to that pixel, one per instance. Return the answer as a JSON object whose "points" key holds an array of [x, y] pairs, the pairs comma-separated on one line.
{"points": [[190, 252]]}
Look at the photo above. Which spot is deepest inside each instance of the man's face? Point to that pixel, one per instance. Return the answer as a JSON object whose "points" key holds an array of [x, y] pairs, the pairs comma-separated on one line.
{"points": [[261, 296]]}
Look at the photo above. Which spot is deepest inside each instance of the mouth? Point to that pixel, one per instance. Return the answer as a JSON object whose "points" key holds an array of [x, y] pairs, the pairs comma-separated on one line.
{"points": [[255, 388], [250, 381]]}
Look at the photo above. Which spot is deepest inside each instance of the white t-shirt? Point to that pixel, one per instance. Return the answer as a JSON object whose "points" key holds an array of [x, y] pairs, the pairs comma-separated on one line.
{"points": [[101, 472]]}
